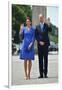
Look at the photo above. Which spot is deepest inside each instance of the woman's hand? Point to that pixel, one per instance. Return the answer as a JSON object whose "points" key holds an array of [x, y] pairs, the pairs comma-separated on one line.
{"points": [[21, 27], [30, 45]]}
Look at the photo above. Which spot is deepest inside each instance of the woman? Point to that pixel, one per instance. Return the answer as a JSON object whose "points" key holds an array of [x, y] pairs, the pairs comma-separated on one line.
{"points": [[27, 48]]}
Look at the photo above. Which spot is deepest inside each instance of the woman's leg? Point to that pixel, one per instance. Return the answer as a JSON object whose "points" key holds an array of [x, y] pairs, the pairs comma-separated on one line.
{"points": [[25, 68], [29, 68]]}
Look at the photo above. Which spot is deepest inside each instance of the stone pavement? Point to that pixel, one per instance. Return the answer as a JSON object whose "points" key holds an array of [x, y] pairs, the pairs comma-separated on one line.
{"points": [[18, 71]]}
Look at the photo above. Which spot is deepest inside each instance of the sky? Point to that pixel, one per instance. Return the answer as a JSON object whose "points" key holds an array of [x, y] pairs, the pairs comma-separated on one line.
{"points": [[52, 12]]}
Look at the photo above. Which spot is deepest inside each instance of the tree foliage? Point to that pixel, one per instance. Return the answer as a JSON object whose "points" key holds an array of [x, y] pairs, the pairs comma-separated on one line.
{"points": [[19, 14]]}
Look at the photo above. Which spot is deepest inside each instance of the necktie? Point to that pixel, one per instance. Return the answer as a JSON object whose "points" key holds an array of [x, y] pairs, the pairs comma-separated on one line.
{"points": [[41, 25]]}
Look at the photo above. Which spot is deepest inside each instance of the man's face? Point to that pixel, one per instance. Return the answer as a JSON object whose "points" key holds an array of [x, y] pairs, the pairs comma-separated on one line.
{"points": [[41, 18]]}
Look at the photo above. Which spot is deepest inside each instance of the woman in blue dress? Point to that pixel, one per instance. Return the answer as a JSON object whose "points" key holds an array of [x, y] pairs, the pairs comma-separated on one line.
{"points": [[27, 48]]}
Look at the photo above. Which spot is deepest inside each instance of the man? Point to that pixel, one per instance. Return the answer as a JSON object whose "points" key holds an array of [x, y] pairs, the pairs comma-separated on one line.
{"points": [[42, 38]]}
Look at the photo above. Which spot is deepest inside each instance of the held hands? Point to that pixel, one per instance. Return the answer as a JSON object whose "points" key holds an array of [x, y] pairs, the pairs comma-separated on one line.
{"points": [[41, 43], [30, 45]]}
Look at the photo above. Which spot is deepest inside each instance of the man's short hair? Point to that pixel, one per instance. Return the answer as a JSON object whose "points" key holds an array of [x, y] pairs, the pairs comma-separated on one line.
{"points": [[40, 15]]}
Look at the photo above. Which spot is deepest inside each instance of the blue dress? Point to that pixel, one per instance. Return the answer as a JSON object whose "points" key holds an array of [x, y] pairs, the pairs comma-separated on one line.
{"points": [[29, 36]]}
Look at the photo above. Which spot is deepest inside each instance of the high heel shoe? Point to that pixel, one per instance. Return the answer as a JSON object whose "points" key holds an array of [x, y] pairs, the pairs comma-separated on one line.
{"points": [[26, 78]]}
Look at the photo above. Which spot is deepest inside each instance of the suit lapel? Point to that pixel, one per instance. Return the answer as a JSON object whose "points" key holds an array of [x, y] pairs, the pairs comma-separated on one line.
{"points": [[39, 27], [43, 28]]}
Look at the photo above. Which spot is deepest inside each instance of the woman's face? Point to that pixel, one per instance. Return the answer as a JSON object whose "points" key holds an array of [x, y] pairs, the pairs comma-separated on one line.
{"points": [[28, 22]]}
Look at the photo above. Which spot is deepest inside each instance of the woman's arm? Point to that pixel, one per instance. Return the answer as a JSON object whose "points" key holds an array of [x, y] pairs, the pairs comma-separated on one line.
{"points": [[21, 33], [33, 39], [21, 28]]}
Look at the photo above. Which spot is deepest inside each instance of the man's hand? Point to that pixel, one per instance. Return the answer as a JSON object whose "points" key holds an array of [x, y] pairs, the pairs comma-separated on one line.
{"points": [[41, 43], [48, 21]]}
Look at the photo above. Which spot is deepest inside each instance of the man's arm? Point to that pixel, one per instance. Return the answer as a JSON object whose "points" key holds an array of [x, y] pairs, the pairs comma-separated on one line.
{"points": [[48, 22], [36, 34], [49, 28]]}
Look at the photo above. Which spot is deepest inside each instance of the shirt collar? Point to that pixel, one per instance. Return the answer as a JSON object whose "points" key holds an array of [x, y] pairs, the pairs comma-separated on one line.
{"points": [[41, 23]]}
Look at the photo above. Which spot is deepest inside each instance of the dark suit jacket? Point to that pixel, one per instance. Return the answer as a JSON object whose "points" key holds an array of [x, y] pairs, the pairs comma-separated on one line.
{"points": [[43, 35]]}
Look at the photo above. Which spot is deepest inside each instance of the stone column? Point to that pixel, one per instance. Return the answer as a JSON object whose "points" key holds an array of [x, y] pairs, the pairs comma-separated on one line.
{"points": [[36, 10]]}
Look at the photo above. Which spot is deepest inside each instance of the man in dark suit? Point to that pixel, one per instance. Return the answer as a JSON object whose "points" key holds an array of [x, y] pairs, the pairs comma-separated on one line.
{"points": [[43, 42]]}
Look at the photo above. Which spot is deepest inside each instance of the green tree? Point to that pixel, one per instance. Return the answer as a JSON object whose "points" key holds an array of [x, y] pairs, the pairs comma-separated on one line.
{"points": [[19, 14], [53, 35]]}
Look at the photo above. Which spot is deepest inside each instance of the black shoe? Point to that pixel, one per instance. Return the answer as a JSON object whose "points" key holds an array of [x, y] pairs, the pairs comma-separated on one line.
{"points": [[46, 76], [40, 77]]}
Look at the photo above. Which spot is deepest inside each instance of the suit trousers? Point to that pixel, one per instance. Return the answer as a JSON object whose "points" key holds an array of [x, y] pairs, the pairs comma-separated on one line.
{"points": [[43, 59]]}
